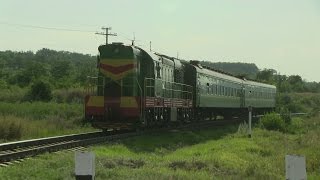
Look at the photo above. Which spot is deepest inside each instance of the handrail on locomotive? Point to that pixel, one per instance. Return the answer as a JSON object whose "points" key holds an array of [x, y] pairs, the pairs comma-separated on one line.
{"points": [[169, 89]]}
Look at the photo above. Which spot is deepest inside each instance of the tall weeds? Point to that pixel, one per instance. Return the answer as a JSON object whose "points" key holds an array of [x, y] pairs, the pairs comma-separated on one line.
{"points": [[16, 128], [41, 110]]}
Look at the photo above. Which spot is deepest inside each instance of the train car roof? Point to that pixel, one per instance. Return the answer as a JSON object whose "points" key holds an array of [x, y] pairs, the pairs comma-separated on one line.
{"points": [[254, 83], [230, 77], [217, 74]]}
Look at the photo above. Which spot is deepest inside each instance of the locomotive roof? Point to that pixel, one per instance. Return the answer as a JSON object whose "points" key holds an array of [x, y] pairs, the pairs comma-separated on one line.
{"points": [[150, 53]]}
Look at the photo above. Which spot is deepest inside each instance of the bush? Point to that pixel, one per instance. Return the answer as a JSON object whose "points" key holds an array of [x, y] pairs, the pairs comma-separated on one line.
{"points": [[273, 121], [3, 84], [295, 126], [314, 112], [12, 94], [40, 91], [296, 107], [71, 95], [285, 115], [10, 129]]}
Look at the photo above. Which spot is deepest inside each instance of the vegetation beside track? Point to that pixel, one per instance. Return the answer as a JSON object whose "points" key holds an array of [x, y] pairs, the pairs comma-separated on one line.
{"points": [[221, 152], [27, 120], [300, 102]]}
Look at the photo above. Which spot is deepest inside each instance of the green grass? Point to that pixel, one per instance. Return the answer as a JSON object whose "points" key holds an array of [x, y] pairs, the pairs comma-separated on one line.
{"points": [[14, 94], [41, 110], [17, 128], [39, 119], [214, 153]]}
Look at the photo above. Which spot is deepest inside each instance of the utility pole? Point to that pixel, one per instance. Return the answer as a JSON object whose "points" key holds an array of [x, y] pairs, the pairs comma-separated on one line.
{"points": [[250, 119], [106, 33], [150, 46], [133, 40]]}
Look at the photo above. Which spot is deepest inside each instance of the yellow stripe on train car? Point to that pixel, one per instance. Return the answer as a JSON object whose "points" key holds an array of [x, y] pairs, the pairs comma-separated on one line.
{"points": [[95, 101], [116, 76], [128, 102]]}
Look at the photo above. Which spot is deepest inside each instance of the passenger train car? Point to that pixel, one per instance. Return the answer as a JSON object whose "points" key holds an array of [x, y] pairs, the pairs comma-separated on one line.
{"points": [[136, 88]]}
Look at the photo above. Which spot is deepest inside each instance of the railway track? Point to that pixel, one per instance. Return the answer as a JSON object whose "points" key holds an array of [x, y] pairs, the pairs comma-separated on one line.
{"points": [[14, 151], [21, 149]]}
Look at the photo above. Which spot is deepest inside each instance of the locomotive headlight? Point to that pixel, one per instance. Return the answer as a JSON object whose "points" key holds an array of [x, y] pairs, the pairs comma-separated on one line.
{"points": [[116, 50]]}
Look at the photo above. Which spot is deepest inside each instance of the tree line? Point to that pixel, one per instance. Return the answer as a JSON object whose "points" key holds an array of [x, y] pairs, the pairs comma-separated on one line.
{"points": [[61, 69], [287, 84]]}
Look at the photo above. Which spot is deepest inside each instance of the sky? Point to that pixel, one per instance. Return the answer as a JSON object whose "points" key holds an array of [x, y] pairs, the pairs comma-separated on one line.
{"points": [[280, 34]]}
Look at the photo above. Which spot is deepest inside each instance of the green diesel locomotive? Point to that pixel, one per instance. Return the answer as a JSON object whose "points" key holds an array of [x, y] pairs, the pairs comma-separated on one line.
{"points": [[137, 88]]}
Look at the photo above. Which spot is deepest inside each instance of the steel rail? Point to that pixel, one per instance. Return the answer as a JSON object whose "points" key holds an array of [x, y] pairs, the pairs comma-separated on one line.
{"points": [[41, 141], [33, 151]]}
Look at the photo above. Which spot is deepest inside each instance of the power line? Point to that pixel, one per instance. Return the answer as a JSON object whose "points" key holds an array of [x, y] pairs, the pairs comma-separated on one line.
{"points": [[43, 27], [121, 35], [106, 33]]}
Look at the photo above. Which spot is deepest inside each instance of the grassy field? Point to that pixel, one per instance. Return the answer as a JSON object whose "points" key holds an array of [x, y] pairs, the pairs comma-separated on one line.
{"points": [[214, 153], [40, 119], [21, 119]]}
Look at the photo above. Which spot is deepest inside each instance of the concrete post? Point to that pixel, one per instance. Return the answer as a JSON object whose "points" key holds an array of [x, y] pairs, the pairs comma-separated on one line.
{"points": [[295, 167], [250, 119], [84, 166]]}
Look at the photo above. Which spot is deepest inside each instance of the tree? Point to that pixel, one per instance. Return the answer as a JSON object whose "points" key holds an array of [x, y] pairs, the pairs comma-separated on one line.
{"points": [[2, 66], [238, 69], [21, 78], [296, 83], [266, 75], [40, 91], [61, 69], [36, 69]]}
